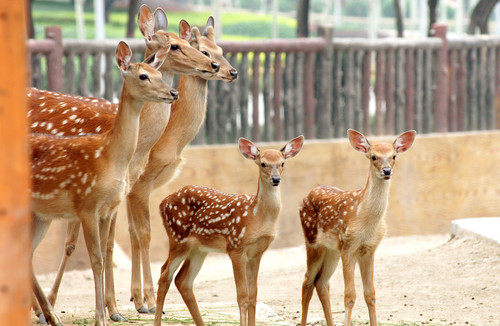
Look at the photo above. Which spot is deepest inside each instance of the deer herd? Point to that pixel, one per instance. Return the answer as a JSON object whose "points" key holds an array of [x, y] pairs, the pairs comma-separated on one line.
{"points": [[88, 155]]}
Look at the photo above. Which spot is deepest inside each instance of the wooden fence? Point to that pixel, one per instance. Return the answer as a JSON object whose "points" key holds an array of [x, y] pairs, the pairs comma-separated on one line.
{"points": [[320, 86]]}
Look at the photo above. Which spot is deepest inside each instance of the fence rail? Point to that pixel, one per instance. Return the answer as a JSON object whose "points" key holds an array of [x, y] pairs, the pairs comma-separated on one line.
{"points": [[319, 87]]}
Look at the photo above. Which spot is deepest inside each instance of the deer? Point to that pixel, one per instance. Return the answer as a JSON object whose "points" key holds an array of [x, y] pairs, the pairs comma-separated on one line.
{"points": [[62, 114], [165, 160], [348, 225], [199, 220], [85, 177]]}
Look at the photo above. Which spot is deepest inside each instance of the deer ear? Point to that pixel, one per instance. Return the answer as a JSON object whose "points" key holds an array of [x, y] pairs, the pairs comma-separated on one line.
{"points": [[185, 30], [358, 141], [248, 149], [146, 22], [158, 58], [209, 29], [123, 56], [404, 141], [293, 147], [161, 21]]}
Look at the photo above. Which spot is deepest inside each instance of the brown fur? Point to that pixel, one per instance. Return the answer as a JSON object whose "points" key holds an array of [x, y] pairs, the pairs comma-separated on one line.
{"points": [[199, 220], [348, 225]]}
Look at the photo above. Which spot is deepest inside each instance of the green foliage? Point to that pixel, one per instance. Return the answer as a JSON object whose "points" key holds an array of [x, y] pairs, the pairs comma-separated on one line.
{"points": [[356, 8], [237, 25]]}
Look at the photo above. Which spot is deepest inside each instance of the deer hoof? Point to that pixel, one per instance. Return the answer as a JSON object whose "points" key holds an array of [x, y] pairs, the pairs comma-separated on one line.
{"points": [[118, 317], [41, 319], [143, 310], [152, 310]]}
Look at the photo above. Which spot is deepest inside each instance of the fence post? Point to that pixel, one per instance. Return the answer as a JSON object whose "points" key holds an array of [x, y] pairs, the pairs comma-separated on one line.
{"points": [[54, 59], [325, 97], [15, 219], [441, 90]]}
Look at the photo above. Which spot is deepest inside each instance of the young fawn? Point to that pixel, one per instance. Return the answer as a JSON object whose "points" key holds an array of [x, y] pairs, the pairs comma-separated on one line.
{"points": [[348, 225], [61, 114], [166, 159], [85, 177], [199, 220]]}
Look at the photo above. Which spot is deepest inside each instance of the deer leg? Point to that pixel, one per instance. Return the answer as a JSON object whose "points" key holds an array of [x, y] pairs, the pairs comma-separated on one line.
{"points": [[239, 262], [136, 280], [322, 283], [348, 265], [70, 245], [366, 266], [40, 228], [177, 253], [38, 310], [139, 213], [252, 274], [109, 286], [48, 311], [93, 243], [184, 282], [315, 258]]}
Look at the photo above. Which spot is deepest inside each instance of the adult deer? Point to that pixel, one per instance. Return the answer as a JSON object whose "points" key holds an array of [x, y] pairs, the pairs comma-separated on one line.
{"points": [[348, 225], [166, 158], [85, 177], [61, 114], [199, 220]]}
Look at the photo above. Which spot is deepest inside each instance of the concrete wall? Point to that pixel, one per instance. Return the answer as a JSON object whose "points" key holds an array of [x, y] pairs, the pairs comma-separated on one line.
{"points": [[442, 177]]}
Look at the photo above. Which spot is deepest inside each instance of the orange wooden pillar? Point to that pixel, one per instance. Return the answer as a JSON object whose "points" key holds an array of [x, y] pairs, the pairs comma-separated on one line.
{"points": [[15, 222]]}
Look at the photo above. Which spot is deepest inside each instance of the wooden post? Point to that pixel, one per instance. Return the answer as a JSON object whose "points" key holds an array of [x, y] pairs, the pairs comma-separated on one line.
{"points": [[54, 59], [310, 101], [15, 221], [441, 90], [255, 96], [324, 123], [278, 124]]}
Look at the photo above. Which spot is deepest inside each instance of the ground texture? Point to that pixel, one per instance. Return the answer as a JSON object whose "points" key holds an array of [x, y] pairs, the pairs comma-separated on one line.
{"points": [[420, 280]]}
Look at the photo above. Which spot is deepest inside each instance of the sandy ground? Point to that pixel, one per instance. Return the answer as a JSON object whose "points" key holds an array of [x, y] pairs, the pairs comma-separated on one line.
{"points": [[420, 280]]}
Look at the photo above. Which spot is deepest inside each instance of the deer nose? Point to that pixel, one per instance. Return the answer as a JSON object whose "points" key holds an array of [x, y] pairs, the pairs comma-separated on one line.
{"points": [[174, 93], [216, 66], [234, 74], [275, 179], [387, 171]]}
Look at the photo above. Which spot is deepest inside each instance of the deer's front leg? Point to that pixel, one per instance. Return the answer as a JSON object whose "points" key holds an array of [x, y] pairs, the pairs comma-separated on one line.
{"points": [[92, 240], [348, 265], [140, 232], [252, 274], [239, 262], [110, 297], [136, 280], [366, 266]]}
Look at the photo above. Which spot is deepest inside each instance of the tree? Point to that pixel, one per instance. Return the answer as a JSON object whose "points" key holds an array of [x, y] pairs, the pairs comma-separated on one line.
{"points": [[432, 14], [479, 16], [399, 18], [303, 18], [132, 13]]}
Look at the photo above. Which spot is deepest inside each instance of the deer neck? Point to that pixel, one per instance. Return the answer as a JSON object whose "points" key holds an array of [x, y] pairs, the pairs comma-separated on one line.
{"points": [[122, 138], [188, 112], [268, 204], [375, 197]]}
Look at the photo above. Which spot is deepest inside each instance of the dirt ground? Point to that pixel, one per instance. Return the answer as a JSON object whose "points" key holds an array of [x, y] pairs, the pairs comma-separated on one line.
{"points": [[420, 280]]}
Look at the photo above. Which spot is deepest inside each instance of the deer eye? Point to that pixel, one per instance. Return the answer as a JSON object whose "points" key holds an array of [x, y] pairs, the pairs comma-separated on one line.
{"points": [[282, 164], [394, 157], [206, 53], [374, 158], [263, 165], [143, 77], [174, 47]]}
